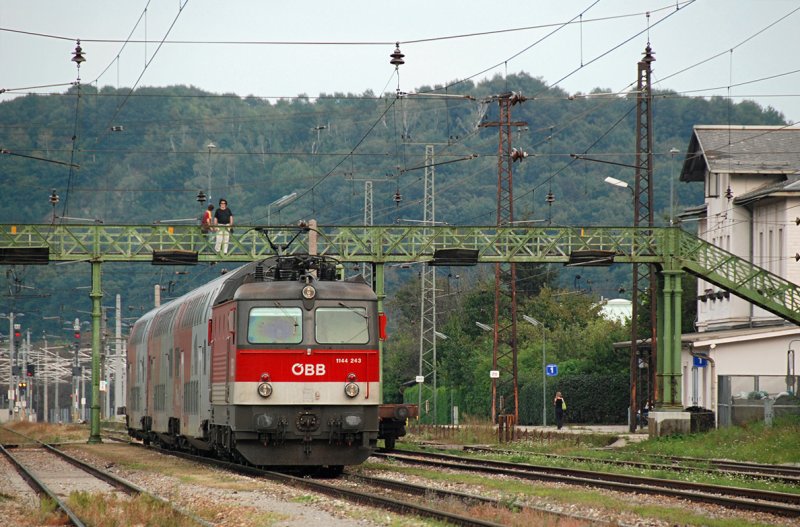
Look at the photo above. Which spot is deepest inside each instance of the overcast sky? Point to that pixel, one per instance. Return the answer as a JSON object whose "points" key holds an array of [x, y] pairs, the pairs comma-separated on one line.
{"points": [[230, 47]]}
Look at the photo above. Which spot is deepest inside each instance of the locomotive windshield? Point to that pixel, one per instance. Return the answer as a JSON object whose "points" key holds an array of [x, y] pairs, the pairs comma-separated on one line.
{"points": [[342, 325], [275, 325]]}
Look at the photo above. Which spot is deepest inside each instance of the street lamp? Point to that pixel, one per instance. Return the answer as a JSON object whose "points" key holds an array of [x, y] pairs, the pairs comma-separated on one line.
{"points": [[210, 147], [280, 202], [531, 320], [622, 184], [54, 201], [483, 326], [618, 183]]}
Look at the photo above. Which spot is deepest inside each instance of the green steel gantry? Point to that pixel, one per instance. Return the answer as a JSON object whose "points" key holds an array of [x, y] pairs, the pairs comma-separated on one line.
{"points": [[672, 250]]}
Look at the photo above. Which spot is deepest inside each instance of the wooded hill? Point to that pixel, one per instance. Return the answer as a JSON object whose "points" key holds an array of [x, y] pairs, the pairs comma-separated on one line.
{"points": [[325, 147]]}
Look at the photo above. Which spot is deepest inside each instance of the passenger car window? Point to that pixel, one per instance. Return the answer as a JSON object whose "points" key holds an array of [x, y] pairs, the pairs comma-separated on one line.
{"points": [[275, 325]]}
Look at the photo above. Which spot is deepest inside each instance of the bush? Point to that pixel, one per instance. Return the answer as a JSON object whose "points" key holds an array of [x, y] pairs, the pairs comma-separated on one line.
{"points": [[590, 398]]}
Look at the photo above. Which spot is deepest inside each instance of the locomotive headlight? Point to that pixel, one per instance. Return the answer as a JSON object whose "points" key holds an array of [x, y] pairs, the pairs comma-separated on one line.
{"points": [[309, 292], [265, 389], [351, 389]]}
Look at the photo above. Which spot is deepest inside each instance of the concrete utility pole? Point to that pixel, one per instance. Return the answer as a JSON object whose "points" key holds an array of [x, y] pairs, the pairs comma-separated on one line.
{"points": [[11, 380], [119, 360], [96, 295], [28, 399], [41, 367], [106, 366], [57, 403], [76, 372]]}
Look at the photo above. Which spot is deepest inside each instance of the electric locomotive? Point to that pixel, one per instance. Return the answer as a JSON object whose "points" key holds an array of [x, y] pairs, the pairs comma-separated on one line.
{"points": [[275, 364]]}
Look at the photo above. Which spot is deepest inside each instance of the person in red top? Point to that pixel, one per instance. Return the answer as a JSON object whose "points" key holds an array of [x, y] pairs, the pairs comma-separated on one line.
{"points": [[208, 220], [224, 218]]}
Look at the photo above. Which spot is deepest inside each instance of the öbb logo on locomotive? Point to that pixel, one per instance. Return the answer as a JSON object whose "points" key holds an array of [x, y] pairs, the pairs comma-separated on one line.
{"points": [[308, 369]]}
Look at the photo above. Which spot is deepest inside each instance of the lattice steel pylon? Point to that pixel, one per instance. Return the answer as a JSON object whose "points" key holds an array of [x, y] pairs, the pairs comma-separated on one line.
{"points": [[504, 342], [366, 267], [427, 327], [644, 275]]}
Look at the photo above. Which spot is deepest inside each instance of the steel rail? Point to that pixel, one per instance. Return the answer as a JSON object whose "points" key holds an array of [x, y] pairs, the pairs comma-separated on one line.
{"points": [[790, 472], [40, 488], [125, 486], [420, 490], [790, 475], [116, 482], [780, 503]]}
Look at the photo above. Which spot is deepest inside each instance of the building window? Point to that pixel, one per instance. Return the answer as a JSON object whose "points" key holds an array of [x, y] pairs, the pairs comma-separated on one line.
{"points": [[712, 185]]}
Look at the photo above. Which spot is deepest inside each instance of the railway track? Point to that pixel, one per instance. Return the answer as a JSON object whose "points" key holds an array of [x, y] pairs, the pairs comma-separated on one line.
{"points": [[371, 496], [784, 504], [53, 474], [780, 473], [427, 491], [752, 469]]}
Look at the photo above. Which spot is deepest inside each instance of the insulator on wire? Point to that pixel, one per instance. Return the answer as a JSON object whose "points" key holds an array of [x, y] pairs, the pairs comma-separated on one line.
{"points": [[729, 193], [517, 98], [550, 198], [397, 197], [518, 155], [397, 57], [77, 55]]}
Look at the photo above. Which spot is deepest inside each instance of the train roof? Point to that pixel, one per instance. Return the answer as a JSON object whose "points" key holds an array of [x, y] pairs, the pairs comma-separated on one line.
{"points": [[274, 269], [351, 289]]}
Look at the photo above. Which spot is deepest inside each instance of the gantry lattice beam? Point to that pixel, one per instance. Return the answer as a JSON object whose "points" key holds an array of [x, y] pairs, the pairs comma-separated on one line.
{"points": [[379, 244], [671, 249]]}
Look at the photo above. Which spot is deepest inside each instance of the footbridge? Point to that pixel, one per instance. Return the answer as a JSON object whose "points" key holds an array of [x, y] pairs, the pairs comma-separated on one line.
{"points": [[671, 249]]}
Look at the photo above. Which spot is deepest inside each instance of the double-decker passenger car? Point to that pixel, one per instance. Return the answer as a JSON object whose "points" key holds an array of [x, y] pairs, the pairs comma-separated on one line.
{"points": [[275, 363]]}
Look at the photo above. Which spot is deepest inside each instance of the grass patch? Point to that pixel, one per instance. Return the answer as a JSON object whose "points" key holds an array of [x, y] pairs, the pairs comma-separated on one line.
{"points": [[471, 431], [110, 510], [304, 498], [236, 515], [754, 442], [50, 433]]}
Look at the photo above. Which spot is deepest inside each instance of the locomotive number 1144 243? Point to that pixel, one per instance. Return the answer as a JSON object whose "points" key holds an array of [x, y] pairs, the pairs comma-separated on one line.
{"points": [[348, 360]]}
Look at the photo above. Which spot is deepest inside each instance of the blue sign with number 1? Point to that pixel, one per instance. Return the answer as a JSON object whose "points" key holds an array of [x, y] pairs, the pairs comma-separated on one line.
{"points": [[551, 370]]}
